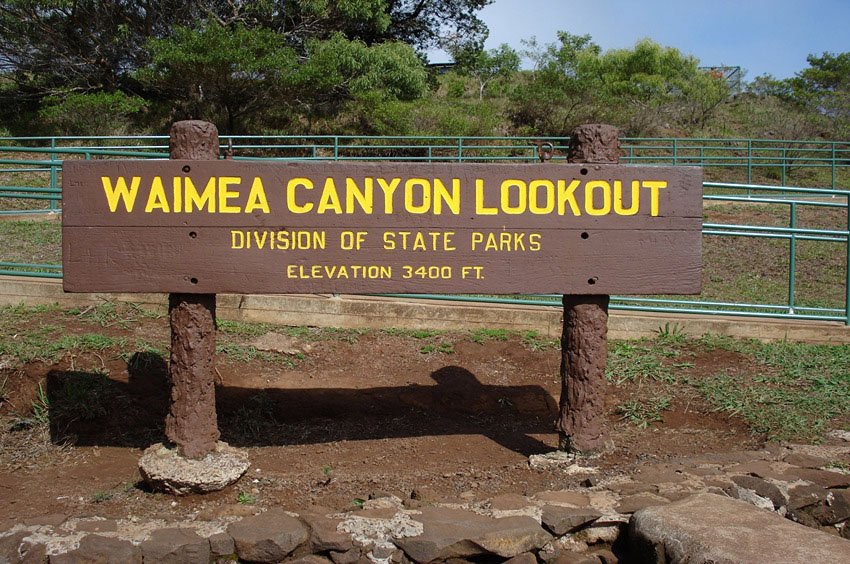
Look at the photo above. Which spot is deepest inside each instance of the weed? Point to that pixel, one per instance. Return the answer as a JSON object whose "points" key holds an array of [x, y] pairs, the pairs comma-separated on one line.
{"points": [[483, 335], [671, 333], [4, 390], [101, 496], [444, 348], [644, 413], [41, 406], [358, 502], [245, 498]]}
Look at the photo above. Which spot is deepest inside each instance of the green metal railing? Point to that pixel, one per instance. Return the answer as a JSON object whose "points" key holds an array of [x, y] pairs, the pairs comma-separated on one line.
{"points": [[34, 165]]}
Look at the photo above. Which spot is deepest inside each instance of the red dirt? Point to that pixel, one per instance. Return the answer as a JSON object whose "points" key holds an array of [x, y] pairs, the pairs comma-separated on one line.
{"points": [[360, 413]]}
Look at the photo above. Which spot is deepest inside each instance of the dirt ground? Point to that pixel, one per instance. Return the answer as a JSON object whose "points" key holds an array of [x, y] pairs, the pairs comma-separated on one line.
{"points": [[338, 417]]}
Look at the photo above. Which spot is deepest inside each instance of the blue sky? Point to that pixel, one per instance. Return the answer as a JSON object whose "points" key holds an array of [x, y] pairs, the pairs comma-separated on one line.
{"points": [[760, 36]]}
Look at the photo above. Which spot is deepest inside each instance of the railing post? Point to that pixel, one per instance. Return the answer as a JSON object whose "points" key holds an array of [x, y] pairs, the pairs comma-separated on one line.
{"points": [[847, 272], [833, 165], [792, 260], [54, 204], [749, 162]]}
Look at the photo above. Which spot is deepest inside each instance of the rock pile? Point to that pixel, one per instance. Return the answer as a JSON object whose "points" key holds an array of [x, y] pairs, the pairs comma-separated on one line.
{"points": [[809, 485]]}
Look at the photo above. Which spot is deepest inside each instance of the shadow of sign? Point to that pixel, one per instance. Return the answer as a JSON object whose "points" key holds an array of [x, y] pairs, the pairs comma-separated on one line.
{"points": [[90, 409]]}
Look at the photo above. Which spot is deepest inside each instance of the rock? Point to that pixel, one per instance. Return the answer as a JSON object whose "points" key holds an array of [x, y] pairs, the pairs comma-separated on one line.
{"points": [[805, 460], [15, 549], [823, 478], [632, 488], [805, 496], [222, 545], [101, 550], [835, 510], [267, 537], [453, 533], [310, 559], [762, 488], [347, 557], [175, 545], [565, 462], [749, 496], [509, 502], [632, 503], [324, 535], [163, 469], [566, 557], [561, 520], [524, 558], [710, 528], [605, 556]]}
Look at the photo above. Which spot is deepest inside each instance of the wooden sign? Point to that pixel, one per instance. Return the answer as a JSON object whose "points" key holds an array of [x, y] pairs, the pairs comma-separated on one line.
{"points": [[319, 227]]}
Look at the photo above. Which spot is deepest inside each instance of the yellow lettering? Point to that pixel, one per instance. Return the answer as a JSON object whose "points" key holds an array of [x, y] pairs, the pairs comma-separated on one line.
{"points": [[441, 194], [330, 198], [156, 198], [522, 197], [257, 197], [618, 198], [590, 200], [566, 195], [654, 186], [409, 185], [120, 192], [479, 200], [364, 197], [224, 195], [534, 199], [237, 240], [199, 200], [177, 190], [389, 190], [291, 204]]}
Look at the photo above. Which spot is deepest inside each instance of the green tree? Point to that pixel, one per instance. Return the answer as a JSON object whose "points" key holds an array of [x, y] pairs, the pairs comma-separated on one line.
{"points": [[643, 90], [486, 66], [239, 77]]}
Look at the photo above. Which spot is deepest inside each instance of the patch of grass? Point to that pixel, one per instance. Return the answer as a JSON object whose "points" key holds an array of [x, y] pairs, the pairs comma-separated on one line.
{"points": [[244, 498], [532, 340], [444, 348], [32, 242], [241, 329], [109, 314], [483, 335], [82, 396], [644, 413], [630, 361], [243, 353], [101, 496], [412, 333], [801, 389]]}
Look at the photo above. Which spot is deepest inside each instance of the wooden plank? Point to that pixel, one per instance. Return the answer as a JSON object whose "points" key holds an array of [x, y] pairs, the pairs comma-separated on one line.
{"points": [[306, 227]]}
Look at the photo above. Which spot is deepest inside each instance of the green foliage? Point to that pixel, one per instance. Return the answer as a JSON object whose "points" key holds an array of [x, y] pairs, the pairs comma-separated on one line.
{"points": [[244, 498], [483, 335], [641, 90], [97, 113], [642, 414], [486, 66]]}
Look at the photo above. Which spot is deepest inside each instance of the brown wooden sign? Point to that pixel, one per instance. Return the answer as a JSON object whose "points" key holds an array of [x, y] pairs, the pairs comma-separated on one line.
{"points": [[317, 227]]}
